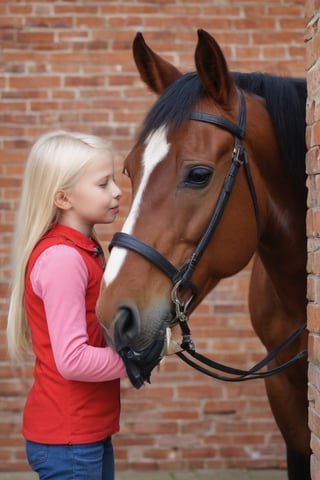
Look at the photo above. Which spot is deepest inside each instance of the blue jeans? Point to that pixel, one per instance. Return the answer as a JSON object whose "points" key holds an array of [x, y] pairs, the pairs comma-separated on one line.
{"points": [[94, 461]]}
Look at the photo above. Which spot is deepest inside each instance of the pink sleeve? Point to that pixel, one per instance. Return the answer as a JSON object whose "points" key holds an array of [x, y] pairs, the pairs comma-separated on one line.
{"points": [[59, 277]]}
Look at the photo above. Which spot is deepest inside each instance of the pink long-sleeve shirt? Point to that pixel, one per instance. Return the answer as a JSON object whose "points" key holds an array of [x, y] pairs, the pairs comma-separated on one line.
{"points": [[59, 277]]}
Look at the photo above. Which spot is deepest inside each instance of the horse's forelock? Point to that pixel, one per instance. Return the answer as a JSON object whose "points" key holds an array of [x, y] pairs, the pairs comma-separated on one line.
{"points": [[174, 106]]}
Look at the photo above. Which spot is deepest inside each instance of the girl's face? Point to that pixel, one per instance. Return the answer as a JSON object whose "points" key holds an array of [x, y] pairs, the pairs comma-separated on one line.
{"points": [[95, 196]]}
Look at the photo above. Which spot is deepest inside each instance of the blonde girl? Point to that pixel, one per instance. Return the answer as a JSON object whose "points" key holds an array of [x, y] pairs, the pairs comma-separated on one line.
{"points": [[73, 407]]}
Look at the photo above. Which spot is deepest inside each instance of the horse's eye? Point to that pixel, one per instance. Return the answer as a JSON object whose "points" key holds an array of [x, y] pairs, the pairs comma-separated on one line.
{"points": [[198, 177], [125, 172]]}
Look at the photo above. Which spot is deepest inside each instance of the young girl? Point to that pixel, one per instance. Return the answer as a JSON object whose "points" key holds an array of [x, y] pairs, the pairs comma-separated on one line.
{"points": [[73, 406]]}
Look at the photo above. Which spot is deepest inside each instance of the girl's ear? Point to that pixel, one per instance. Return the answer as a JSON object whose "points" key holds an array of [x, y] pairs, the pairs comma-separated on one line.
{"points": [[61, 200]]}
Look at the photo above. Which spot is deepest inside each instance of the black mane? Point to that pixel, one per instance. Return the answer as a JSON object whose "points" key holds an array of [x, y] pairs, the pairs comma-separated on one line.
{"points": [[285, 100]]}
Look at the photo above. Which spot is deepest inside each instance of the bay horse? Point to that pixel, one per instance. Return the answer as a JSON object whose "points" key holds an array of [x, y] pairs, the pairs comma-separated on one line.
{"points": [[218, 178]]}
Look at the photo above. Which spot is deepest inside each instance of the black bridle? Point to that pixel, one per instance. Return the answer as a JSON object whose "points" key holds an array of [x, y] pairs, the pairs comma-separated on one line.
{"points": [[182, 278]]}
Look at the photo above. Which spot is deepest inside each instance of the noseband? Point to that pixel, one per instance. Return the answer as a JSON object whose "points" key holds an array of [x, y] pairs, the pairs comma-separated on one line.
{"points": [[182, 277]]}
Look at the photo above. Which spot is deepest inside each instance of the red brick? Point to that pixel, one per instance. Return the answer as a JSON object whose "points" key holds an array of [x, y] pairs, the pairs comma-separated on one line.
{"points": [[24, 82], [37, 37]]}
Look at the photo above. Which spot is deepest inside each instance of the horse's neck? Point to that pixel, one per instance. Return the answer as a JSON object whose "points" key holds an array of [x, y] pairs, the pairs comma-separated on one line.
{"points": [[282, 247], [282, 250]]}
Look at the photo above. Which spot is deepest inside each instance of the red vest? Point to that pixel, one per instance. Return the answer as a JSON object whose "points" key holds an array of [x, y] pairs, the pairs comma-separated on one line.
{"points": [[60, 411]]}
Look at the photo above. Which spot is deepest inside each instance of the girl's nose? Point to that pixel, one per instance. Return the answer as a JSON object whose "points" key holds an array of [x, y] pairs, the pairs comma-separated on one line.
{"points": [[117, 192]]}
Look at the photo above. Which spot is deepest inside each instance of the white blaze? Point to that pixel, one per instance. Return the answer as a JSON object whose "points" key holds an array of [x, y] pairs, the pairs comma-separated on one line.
{"points": [[155, 151]]}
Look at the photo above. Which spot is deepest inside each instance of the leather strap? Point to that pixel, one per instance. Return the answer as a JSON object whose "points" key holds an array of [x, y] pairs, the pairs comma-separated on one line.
{"points": [[244, 375], [238, 131], [124, 240]]}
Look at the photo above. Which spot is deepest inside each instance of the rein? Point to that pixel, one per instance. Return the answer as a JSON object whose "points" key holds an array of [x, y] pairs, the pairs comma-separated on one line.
{"points": [[243, 375], [181, 278]]}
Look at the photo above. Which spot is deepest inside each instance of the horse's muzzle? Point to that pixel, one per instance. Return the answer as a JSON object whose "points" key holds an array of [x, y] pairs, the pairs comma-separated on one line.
{"points": [[139, 364]]}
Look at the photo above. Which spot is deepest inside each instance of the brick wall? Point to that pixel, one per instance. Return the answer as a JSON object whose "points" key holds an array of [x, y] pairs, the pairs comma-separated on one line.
{"points": [[68, 64], [312, 37]]}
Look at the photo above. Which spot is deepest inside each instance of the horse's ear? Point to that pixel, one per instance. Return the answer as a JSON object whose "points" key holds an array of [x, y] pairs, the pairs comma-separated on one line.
{"points": [[213, 69], [156, 72]]}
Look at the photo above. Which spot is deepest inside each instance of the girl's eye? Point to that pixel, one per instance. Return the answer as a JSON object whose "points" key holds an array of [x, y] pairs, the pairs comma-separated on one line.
{"points": [[104, 184], [198, 177]]}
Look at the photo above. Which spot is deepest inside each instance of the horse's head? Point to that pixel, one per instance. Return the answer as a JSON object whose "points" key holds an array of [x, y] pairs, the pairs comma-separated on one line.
{"points": [[182, 181]]}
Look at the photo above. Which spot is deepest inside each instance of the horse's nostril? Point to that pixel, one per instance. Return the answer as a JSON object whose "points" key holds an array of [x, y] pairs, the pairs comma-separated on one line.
{"points": [[126, 326]]}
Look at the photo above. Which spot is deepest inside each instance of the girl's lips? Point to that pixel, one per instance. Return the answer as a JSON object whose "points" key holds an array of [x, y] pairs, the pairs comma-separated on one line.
{"points": [[115, 210]]}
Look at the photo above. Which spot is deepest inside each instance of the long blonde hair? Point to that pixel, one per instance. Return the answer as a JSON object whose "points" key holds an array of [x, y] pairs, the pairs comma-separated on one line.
{"points": [[54, 163]]}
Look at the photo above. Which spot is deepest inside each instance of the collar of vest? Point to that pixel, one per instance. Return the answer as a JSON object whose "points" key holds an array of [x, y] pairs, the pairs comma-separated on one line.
{"points": [[74, 237]]}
